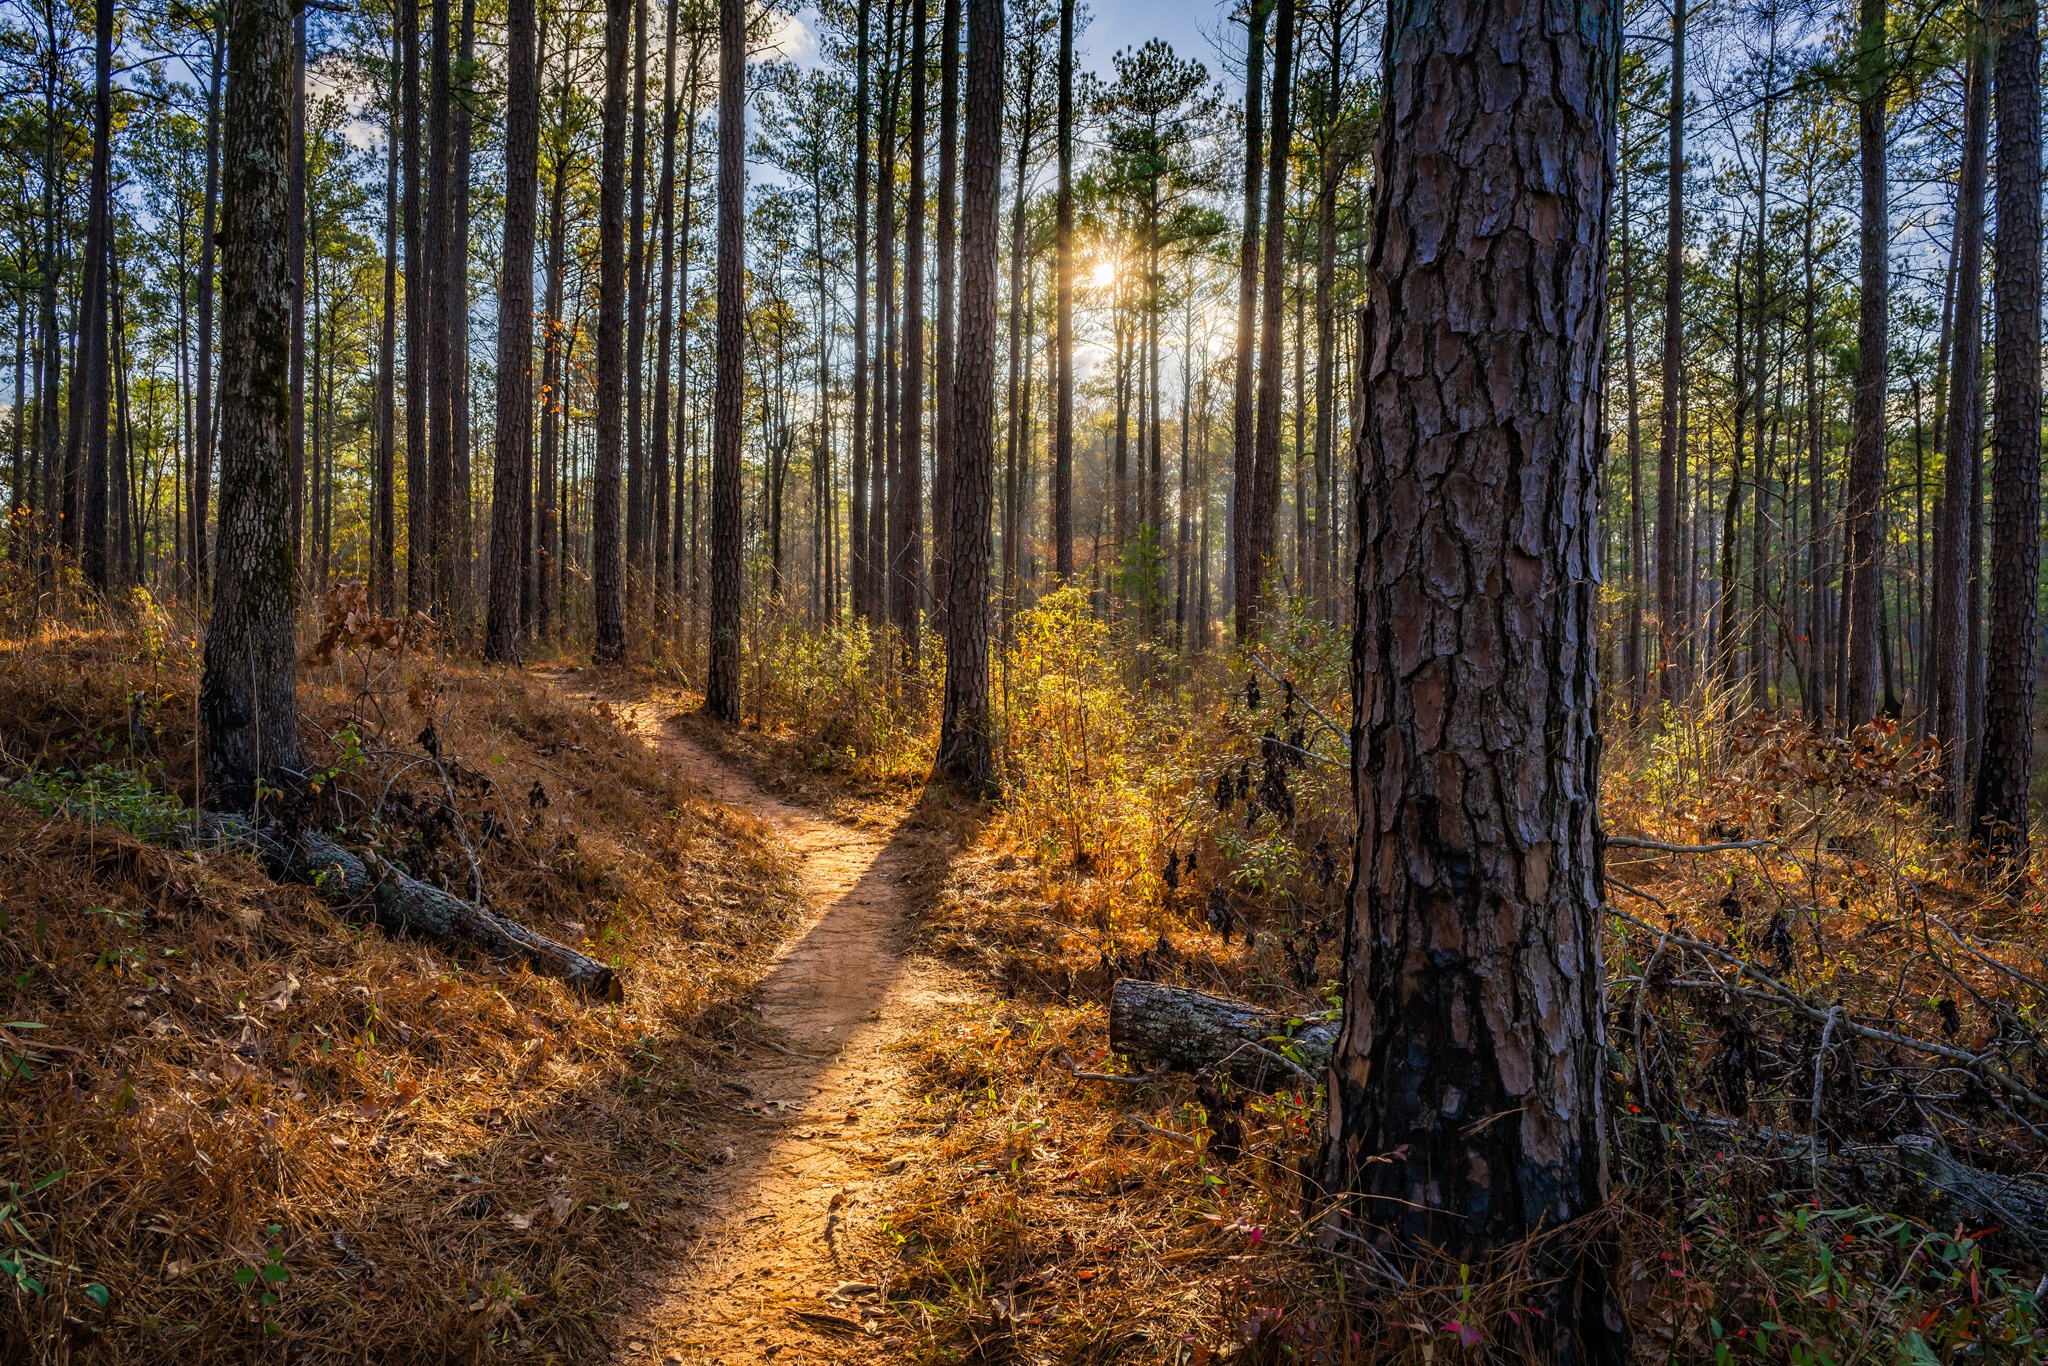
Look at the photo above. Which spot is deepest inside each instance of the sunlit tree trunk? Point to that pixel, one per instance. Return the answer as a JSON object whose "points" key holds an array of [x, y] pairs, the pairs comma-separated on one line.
{"points": [[942, 331], [553, 405], [383, 509], [722, 680], [2005, 767], [1672, 379], [1466, 1105], [636, 333], [248, 701], [419, 538], [906, 476], [857, 507]]}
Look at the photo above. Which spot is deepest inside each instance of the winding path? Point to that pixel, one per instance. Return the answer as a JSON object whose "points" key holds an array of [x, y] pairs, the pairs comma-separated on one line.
{"points": [[819, 1125]]}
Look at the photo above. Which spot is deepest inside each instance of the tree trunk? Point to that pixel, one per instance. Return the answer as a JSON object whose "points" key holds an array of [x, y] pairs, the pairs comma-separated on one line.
{"points": [[1259, 540], [906, 475], [722, 680], [1671, 380], [636, 333], [554, 408], [514, 438], [1322, 555], [297, 249], [1865, 494], [857, 513], [2005, 766], [1632, 641], [1243, 419], [419, 326], [248, 701], [966, 744], [1466, 1093], [942, 367], [383, 510], [1063, 399], [1966, 387], [89, 403], [461, 559], [610, 645], [203, 383]]}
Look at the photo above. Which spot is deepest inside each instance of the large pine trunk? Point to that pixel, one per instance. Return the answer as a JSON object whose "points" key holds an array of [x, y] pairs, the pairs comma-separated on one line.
{"points": [[248, 701], [1966, 386], [514, 453], [1466, 1109], [722, 681], [2006, 764], [966, 747], [610, 644]]}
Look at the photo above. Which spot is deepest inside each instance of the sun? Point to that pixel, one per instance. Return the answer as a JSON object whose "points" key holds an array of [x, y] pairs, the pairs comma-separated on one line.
{"points": [[1103, 275]]}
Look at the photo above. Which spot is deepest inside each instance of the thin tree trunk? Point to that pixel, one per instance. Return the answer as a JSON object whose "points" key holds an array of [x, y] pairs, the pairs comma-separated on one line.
{"points": [[553, 387], [906, 480], [1260, 545], [857, 512], [1864, 509], [610, 644], [298, 269], [942, 367], [461, 512], [419, 325], [248, 704], [383, 509], [1063, 401], [1243, 417], [512, 470], [966, 741], [1672, 379], [660, 594], [1966, 386], [203, 383], [636, 331], [2005, 767], [1466, 1086], [722, 679], [1323, 557], [1632, 641]]}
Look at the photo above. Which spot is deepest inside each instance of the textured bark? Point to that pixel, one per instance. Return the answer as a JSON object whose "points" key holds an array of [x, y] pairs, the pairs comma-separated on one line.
{"points": [[1196, 1032], [1243, 421], [610, 645], [88, 508], [248, 702], [1632, 641], [665, 338], [1261, 549], [1673, 372], [419, 538], [460, 560], [722, 680], [1322, 561], [966, 743], [2006, 764], [906, 474], [1966, 387], [514, 441], [1864, 510], [1063, 398], [1466, 1108]]}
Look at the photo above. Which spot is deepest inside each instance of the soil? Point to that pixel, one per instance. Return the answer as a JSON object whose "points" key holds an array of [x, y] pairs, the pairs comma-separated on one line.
{"points": [[783, 1263]]}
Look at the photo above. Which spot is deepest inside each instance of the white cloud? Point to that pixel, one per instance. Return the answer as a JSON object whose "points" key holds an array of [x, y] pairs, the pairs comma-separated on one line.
{"points": [[793, 39]]}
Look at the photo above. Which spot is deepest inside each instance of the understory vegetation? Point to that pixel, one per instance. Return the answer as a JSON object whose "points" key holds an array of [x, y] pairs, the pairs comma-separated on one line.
{"points": [[1834, 969]]}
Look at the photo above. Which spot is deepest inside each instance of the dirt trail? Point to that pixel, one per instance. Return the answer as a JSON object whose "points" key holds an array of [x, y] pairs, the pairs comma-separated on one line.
{"points": [[821, 1128]]}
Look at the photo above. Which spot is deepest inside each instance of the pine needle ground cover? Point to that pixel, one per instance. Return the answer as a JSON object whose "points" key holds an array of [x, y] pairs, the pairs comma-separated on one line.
{"points": [[240, 1127], [1839, 971]]}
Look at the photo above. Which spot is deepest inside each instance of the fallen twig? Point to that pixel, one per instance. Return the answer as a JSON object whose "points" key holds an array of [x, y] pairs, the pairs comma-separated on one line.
{"points": [[1168, 1134]]}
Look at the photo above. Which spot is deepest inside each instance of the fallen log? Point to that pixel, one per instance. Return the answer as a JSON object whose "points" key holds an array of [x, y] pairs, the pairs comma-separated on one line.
{"points": [[1916, 1171], [1194, 1031], [354, 880]]}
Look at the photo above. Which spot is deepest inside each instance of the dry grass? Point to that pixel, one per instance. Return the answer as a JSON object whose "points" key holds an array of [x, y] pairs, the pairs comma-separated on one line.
{"points": [[242, 1128]]}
